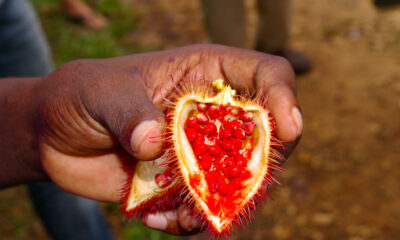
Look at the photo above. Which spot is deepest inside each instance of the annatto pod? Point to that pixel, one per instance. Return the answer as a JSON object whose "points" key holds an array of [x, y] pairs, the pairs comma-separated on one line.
{"points": [[220, 158]]}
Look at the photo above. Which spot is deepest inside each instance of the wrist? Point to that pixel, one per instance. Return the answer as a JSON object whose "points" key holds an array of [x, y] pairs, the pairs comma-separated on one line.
{"points": [[19, 153]]}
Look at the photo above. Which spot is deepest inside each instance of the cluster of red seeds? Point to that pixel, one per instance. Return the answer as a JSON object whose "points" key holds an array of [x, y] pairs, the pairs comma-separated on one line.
{"points": [[222, 139], [164, 179]]}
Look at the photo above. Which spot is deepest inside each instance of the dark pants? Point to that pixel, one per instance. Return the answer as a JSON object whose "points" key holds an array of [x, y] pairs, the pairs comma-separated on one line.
{"points": [[25, 52]]}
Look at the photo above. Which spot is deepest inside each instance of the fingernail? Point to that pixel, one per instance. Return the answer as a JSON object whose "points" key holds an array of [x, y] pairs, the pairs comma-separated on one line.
{"points": [[146, 138], [297, 120], [156, 221]]}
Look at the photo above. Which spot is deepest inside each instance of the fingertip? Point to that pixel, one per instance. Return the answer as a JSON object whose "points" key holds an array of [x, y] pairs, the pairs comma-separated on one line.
{"points": [[146, 140], [186, 219], [156, 221]]}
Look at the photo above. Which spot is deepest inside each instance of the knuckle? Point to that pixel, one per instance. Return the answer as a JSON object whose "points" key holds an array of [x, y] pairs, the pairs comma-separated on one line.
{"points": [[282, 64], [280, 71]]}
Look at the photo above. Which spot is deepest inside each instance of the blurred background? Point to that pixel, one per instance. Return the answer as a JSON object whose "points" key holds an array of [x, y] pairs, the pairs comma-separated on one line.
{"points": [[342, 181]]}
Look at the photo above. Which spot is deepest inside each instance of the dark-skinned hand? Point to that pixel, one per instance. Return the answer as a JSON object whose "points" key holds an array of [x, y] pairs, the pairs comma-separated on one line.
{"points": [[80, 125]]}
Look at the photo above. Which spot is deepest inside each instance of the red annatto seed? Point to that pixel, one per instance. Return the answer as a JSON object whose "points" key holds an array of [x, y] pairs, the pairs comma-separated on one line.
{"points": [[202, 118], [239, 133], [199, 140], [162, 180], [221, 163], [213, 186], [227, 124], [225, 189], [222, 184], [212, 176], [224, 134], [240, 160], [228, 161], [202, 130], [217, 163], [206, 162], [236, 123], [202, 107], [236, 183], [223, 108], [210, 128], [247, 153], [212, 180], [245, 174], [248, 127], [246, 116], [237, 143], [214, 139], [192, 122], [235, 170], [226, 173], [170, 171], [227, 145], [211, 138], [200, 149], [234, 153], [215, 150], [191, 134], [213, 112]]}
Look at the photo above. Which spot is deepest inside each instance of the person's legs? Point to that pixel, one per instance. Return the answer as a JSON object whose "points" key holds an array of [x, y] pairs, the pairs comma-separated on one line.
{"points": [[68, 216], [226, 21], [274, 23], [23, 47], [273, 33], [24, 52], [386, 3]]}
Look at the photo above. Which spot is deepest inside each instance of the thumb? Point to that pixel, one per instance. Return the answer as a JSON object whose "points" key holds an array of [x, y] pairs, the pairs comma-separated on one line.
{"points": [[146, 139], [135, 121]]}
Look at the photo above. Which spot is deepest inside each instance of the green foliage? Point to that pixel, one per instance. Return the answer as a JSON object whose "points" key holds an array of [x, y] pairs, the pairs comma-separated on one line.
{"points": [[70, 40]]}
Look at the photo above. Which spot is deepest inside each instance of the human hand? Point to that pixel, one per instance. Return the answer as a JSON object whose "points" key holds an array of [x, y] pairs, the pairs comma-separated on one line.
{"points": [[97, 116]]}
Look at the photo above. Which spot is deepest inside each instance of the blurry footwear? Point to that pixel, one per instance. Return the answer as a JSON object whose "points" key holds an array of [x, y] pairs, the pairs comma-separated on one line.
{"points": [[300, 62], [386, 3], [80, 11]]}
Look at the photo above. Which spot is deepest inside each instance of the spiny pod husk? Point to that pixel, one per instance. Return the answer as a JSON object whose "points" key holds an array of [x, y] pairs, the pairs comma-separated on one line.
{"points": [[220, 158]]}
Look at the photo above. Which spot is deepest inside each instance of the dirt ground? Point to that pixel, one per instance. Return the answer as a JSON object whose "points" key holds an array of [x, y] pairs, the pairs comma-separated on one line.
{"points": [[343, 180]]}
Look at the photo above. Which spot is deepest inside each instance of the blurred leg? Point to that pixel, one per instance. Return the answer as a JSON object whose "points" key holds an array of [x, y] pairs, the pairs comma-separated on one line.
{"points": [[274, 23], [24, 52], [273, 33], [226, 21], [23, 47], [67, 216], [386, 3]]}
